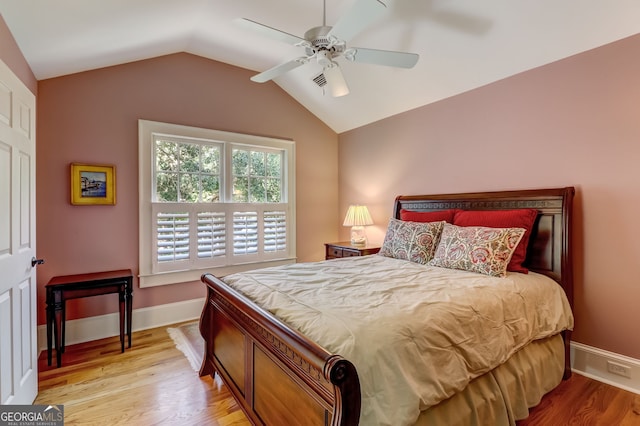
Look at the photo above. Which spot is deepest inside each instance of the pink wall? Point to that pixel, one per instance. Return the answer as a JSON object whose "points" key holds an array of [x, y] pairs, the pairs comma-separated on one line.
{"points": [[92, 117], [574, 122], [11, 55]]}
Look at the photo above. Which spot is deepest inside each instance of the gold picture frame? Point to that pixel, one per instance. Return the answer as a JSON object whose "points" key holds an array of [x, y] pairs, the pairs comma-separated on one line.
{"points": [[93, 184]]}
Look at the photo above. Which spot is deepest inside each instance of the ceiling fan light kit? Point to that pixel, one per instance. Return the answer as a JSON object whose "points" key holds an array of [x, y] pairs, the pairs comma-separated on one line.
{"points": [[325, 44], [335, 80]]}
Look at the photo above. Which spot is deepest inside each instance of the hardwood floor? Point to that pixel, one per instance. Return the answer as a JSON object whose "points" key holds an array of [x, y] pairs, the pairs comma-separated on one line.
{"points": [[582, 401], [153, 384]]}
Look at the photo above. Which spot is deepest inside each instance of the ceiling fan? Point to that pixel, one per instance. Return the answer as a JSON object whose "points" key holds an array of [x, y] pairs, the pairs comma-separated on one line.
{"points": [[325, 44]]}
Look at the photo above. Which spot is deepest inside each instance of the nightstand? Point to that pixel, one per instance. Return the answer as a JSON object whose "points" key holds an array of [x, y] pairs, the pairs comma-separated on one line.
{"points": [[346, 249]]}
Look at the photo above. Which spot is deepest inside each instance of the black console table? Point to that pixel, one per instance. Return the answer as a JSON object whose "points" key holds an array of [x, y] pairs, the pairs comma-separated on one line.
{"points": [[63, 288]]}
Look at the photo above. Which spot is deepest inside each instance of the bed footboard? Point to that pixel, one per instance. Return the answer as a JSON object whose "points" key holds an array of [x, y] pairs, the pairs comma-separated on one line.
{"points": [[277, 375]]}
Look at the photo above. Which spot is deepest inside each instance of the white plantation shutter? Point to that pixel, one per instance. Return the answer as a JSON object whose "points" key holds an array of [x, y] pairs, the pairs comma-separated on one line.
{"points": [[172, 236], [195, 235], [245, 233], [211, 234], [275, 231]]}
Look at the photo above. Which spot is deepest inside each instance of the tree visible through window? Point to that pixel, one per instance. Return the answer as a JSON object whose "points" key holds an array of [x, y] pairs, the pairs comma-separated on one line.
{"points": [[187, 172], [256, 176]]}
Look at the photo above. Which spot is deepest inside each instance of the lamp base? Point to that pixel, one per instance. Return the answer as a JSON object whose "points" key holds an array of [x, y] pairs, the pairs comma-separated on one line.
{"points": [[358, 236]]}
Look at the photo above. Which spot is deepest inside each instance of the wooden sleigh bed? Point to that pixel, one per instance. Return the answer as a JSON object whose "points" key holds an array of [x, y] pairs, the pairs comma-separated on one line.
{"points": [[279, 376]]}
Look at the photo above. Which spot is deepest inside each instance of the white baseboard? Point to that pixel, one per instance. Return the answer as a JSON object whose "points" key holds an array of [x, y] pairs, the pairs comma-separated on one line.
{"points": [[593, 363], [100, 327]]}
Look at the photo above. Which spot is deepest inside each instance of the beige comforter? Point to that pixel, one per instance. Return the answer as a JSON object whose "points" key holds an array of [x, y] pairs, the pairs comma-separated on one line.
{"points": [[416, 334]]}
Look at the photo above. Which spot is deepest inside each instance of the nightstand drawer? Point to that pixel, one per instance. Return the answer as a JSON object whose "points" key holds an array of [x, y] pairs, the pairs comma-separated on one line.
{"points": [[333, 252], [349, 253], [345, 249]]}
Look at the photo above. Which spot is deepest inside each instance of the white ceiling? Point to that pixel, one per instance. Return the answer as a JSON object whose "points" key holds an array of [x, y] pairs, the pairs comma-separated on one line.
{"points": [[463, 44]]}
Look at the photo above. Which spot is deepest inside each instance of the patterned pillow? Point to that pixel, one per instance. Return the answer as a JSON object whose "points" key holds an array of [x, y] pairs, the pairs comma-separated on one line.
{"points": [[412, 241], [477, 248], [520, 218]]}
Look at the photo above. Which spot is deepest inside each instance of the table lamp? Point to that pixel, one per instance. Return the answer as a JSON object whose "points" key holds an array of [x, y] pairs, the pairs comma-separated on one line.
{"points": [[357, 218]]}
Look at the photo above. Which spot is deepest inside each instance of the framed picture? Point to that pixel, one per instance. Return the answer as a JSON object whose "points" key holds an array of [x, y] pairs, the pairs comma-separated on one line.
{"points": [[93, 184]]}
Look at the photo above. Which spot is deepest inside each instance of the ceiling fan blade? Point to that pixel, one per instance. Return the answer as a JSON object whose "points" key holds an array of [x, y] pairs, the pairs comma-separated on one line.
{"points": [[267, 31], [363, 13], [382, 57], [278, 70], [335, 81]]}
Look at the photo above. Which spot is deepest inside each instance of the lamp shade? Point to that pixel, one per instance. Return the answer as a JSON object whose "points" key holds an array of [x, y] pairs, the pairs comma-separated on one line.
{"points": [[357, 216]]}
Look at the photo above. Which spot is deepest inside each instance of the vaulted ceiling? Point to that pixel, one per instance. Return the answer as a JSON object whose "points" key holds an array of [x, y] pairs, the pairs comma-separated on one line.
{"points": [[463, 44]]}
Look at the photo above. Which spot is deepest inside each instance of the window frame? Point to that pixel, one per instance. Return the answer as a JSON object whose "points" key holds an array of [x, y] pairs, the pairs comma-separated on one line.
{"points": [[149, 274]]}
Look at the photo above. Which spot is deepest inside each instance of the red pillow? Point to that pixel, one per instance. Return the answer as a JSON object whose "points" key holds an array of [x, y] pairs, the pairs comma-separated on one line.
{"points": [[434, 216], [521, 218]]}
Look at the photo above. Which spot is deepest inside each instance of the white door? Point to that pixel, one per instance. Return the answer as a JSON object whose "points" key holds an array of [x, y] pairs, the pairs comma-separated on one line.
{"points": [[18, 335]]}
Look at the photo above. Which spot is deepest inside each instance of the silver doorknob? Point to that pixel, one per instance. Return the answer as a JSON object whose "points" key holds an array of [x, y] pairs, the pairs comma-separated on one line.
{"points": [[35, 261]]}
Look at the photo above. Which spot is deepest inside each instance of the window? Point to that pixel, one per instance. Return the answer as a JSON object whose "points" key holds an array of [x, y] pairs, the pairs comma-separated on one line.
{"points": [[212, 201]]}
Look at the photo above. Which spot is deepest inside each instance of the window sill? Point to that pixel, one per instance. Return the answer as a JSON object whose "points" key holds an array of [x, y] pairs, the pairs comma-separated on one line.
{"points": [[166, 278]]}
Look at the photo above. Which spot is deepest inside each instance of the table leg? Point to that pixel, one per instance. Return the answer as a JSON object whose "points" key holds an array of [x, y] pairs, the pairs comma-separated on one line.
{"points": [[121, 297], [56, 331], [49, 325], [129, 309], [63, 326]]}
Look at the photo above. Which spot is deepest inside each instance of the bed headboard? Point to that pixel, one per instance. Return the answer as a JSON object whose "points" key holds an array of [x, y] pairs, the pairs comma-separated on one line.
{"points": [[549, 250]]}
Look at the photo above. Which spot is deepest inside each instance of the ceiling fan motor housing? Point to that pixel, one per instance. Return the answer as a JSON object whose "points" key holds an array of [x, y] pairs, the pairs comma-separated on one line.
{"points": [[319, 39]]}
